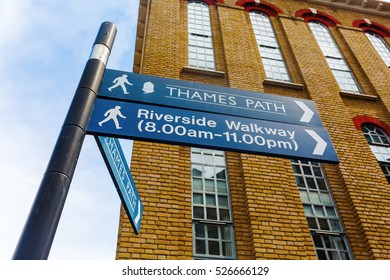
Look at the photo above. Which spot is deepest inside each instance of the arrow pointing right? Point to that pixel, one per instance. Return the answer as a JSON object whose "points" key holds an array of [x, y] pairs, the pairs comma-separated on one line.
{"points": [[321, 144], [308, 113]]}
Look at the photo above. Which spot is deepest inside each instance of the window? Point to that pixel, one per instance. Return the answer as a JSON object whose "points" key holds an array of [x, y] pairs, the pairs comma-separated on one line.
{"points": [[375, 33], [200, 40], [329, 239], [386, 171], [379, 142], [336, 62], [213, 236], [375, 135], [270, 53], [380, 145], [380, 46]]}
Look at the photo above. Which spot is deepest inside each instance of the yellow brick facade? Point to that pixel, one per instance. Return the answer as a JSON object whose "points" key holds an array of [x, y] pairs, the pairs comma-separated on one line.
{"points": [[268, 216]]}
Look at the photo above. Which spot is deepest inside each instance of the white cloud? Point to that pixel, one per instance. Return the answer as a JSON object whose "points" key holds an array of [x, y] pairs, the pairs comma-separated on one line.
{"points": [[12, 16]]}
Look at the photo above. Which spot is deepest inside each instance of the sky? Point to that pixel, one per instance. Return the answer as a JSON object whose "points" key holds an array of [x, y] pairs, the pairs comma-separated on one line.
{"points": [[44, 45]]}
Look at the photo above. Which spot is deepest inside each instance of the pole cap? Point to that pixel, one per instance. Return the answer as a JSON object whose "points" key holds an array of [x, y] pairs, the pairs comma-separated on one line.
{"points": [[106, 34]]}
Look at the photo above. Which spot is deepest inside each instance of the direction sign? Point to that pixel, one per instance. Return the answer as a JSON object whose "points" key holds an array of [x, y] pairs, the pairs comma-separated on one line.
{"points": [[216, 131], [115, 160], [208, 98]]}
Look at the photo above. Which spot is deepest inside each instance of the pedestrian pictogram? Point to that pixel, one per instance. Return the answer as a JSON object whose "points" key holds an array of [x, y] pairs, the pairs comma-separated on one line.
{"points": [[113, 114], [213, 99], [121, 82], [214, 131]]}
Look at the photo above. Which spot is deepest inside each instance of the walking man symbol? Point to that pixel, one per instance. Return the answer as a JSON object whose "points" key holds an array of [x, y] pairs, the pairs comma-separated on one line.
{"points": [[122, 82], [113, 114]]}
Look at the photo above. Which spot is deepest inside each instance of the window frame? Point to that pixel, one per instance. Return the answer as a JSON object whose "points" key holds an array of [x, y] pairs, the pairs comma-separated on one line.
{"points": [[381, 147], [386, 170], [370, 130], [200, 43], [328, 235], [333, 56], [383, 46], [206, 168], [270, 52]]}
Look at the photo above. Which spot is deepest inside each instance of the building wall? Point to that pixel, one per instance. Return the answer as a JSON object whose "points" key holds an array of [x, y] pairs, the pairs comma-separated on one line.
{"points": [[268, 215]]}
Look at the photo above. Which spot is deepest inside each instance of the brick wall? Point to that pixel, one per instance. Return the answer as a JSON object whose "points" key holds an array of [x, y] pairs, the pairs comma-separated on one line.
{"points": [[268, 215]]}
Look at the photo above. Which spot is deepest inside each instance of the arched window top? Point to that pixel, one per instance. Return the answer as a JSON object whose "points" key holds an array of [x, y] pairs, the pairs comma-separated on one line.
{"points": [[270, 53], [208, 2], [375, 135], [380, 45], [200, 37], [369, 26], [262, 6], [314, 15], [359, 121], [340, 69], [199, 18]]}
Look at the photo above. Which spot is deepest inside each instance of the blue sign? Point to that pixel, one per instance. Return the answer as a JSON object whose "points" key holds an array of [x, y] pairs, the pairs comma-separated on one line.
{"points": [[215, 131], [120, 174], [208, 98]]}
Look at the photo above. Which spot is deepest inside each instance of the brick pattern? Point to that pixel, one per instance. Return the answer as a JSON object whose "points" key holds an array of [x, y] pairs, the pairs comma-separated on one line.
{"points": [[244, 243], [362, 184], [268, 215], [162, 175], [278, 226], [242, 57]]}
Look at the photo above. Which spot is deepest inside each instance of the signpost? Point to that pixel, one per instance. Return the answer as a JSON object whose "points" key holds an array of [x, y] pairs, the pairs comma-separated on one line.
{"points": [[116, 163], [154, 90], [216, 131], [187, 113], [38, 233]]}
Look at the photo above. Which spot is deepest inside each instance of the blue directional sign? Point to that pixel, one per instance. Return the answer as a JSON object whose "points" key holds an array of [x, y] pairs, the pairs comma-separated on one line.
{"points": [[215, 131], [115, 160], [208, 98]]}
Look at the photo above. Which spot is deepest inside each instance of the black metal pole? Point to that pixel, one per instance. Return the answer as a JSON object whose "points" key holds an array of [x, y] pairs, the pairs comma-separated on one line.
{"points": [[38, 233]]}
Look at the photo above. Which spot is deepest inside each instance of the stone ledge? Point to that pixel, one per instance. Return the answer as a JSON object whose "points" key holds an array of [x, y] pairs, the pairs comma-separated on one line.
{"points": [[358, 96], [188, 69], [283, 84]]}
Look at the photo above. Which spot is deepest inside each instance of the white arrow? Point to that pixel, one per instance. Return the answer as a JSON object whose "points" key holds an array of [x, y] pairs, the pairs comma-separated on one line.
{"points": [[138, 217], [321, 144], [308, 113]]}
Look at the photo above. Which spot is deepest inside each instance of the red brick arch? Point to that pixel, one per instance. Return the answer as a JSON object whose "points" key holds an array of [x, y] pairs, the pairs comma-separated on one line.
{"points": [[362, 119], [265, 7], [314, 15], [367, 25]]}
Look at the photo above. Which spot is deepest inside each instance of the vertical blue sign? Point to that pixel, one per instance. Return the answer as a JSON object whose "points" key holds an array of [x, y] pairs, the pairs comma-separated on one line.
{"points": [[120, 174]]}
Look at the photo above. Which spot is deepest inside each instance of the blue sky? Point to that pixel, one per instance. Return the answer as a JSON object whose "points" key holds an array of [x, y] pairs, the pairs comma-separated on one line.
{"points": [[44, 46]]}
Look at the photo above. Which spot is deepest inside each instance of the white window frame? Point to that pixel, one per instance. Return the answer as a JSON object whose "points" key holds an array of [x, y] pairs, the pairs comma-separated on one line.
{"points": [[213, 232], [200, 38], [340, 69], [386, 170], [270, 53], [379, 143], [329, 238], [380, 46]]}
